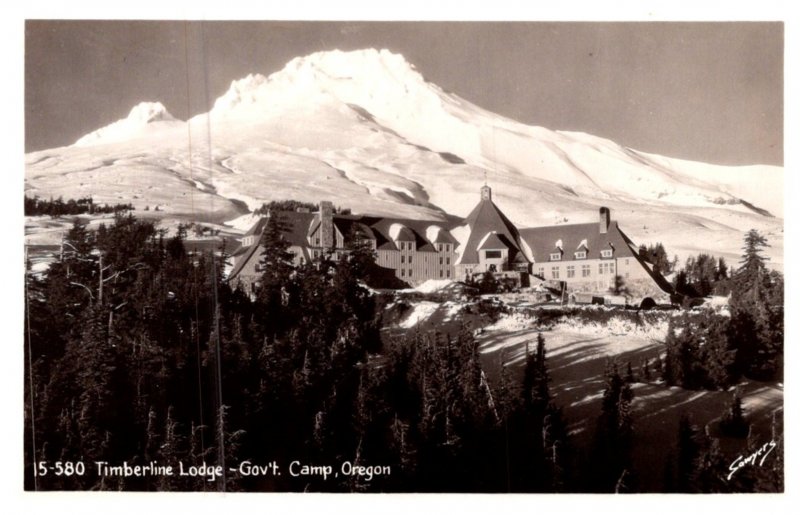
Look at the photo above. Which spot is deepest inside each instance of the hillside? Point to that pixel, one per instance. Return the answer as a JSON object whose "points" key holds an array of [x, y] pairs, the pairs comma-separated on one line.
{"points": [[367, 131]]}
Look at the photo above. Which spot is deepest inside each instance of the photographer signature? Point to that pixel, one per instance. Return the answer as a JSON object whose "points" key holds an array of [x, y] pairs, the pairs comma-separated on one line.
{"points": [[743, 461]]}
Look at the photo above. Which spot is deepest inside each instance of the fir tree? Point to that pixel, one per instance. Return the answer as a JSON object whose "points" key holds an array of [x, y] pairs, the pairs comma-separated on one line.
{"points": [[688, 454], [733, 423], [614, 434], [751, 278], [646, 370]]}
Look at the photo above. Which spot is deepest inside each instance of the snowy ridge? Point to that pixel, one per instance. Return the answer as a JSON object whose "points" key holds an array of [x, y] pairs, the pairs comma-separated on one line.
{"points": [[141, 116]]}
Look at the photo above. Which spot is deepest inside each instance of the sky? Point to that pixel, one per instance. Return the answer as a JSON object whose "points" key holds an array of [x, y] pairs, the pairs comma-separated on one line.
{"points": [[709, 92]]}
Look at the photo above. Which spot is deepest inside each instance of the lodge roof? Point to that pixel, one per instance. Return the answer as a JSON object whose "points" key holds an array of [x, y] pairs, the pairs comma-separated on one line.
{"points": [[486, 218], [543, 241], [493, 241]]}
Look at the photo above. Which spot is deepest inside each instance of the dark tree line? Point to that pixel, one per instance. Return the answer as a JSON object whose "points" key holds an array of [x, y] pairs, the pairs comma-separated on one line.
{"points": [[657, 255], [294, 205], [35, 206], [703, 275], [707, 350], [140, 352], [698, 465], [611, 469]]}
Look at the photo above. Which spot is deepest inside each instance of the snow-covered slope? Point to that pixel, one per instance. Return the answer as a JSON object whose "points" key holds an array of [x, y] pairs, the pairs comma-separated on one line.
{"points": [[366, 130], [144, 119]]}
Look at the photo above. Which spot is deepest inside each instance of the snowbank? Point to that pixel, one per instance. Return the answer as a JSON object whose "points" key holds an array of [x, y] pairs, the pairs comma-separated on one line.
{"points": [[420, 312]]}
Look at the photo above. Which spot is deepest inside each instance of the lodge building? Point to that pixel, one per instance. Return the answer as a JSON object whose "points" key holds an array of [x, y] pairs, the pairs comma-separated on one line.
{"points": [[586, 257]]}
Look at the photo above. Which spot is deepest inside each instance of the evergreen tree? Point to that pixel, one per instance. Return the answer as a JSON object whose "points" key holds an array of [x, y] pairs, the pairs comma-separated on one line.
{"points": [[646, 370], [536, 379], [711, 467], [733, 423], [614, 434], [751, 279], [757, 313], [688, 454], [722, 269], [629, 377], [718, 356]]}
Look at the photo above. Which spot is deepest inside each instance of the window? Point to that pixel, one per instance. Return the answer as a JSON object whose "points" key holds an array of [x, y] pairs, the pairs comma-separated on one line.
{"points": [[555, 256], [606, 268], [448, 273], [448, 260], [316, 240], [409, 272], [541, 271], [555, 273], [402, 272], [607, 253], [441, 260], [441, 273], [600, 269], [570, 271], [494, 254], [402, 259], [627, 261], [410, 258], [402, 245], [581, 254], [586, 270]]}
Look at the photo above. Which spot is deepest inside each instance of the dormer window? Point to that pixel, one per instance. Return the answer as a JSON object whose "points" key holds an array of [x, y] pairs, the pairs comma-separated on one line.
{"points": [[581, 254], [606, 253], [555, 256]]}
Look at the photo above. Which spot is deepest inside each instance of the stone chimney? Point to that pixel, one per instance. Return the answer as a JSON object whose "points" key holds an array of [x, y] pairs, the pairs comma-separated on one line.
{"points": [[326, 233], [605, 219], [486, 193]]}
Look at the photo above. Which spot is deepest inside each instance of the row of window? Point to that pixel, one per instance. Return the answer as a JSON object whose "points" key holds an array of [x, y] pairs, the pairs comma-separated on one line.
{"points": [[410, 273], [442, 259], [440, 247], [607, 253], [586, 270]]}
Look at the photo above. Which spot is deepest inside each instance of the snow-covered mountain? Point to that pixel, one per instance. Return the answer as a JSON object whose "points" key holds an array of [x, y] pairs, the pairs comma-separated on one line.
{"points": [[366, 130]]}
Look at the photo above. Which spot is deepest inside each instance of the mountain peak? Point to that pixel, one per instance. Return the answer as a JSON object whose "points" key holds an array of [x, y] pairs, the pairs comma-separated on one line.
{"points": [[141, 116], [146, 112], [336, 72]]}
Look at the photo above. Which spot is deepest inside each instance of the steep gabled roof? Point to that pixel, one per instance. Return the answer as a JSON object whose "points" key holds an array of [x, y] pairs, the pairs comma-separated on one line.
{"points": [[484, 219], [257, 228], [494, 242], [542, 240], [444, 236], [251, 251], [412, 230]]}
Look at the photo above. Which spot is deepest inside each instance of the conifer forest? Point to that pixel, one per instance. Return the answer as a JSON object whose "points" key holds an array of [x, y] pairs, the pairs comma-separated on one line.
{"points": [[138, 353]]}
